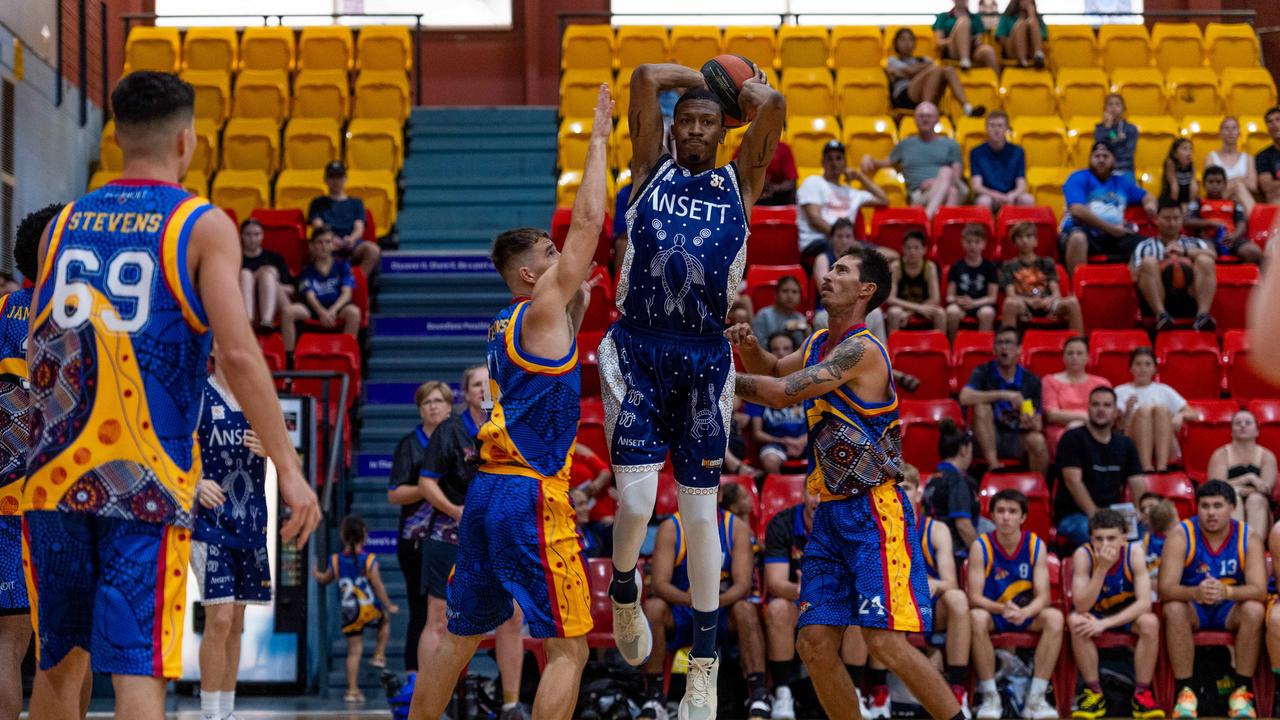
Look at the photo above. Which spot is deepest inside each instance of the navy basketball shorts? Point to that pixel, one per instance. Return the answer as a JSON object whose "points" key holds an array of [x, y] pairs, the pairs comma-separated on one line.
{"points": [[667, 394], [13, 586], [226, 574]]}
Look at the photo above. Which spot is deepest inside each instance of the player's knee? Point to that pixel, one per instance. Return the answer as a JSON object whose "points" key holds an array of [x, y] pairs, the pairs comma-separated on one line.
{"points": [[1147, 625], [986, 313], [1251, 612], [1175, 612], [982, 412], [1078, 242], [745, 615], [218, 624], [956, 602], [816, 646], [780, 613], [1014, 304], [655, 609], [573, 650], [1052, 619], [1035, 442], [1160, 411], [980, 618]]}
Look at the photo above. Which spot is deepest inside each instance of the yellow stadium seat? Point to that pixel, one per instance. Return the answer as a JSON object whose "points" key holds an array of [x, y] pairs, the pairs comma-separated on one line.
{"points": [[579, 89], [295, 189], [261, 94], [1231, 45], [267, 48], [213, 93], [1072, 46], [326, 47], [926, 44], [1046, 185], [1080, 136], [981, 86], [693, 45], [310, 143], [856, 46], [207, 152], [1177, 45], [1026, 92], [211, 48], [1248, 91], [1193, 91], [862, 91], [756, 43], [587, 47], [152, 48], [1043, 139], [110, 157], [807, 135], [251, 144], [943, 127], [1142, 88], [196, 183], [1253, 135], [375, 144], [322, 94], [621, 94], [567, 188], [1124, 46], [241, 191], [802, 46], [639, 44], [1155, 135], [894, 186], [377, 188], [384, 47], [382, 94], [804, 173], [729, 148], [620, 146], [1202, 131], [970, 133], [102, 177], [863, 135], [1082, 92], [574, 136], [809, 91]]}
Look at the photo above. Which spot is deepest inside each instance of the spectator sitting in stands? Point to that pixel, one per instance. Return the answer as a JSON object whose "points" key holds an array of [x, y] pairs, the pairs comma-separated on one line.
{"points": [[1066, 393], [667, 606], [782, 316], [973, 283], [952, 494], [1152, 412], [1249, 468], [735, 499], [1009, 591], [325, 286], [1111, 592], [740, 311], [1222, 586], [915, 79], [1267, 163], [960, 37], [915, 287], [1161, 518], [823, 200], [781, 434], [736, 452], [1096, 465], [1220, 219], [345, 216], [1117, 133], [1175, 273], [998, 167], [1242, 173], [931, 163], [264, 277], [590, 476], [1179, 179], [1005, 398], [1096, 198], [779, 178], [1273, 616], [1023, 33], [1031, 285], [841, 238]]}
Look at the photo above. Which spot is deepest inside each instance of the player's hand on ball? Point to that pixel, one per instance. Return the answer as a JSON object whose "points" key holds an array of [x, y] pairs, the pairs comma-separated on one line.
{"points": [[210, 494], [602, 123], [304, 508], [252, 442], [742, 336]]}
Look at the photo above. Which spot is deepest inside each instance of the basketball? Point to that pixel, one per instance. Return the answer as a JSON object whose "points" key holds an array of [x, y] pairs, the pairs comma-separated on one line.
{"points": [[725, 75]]}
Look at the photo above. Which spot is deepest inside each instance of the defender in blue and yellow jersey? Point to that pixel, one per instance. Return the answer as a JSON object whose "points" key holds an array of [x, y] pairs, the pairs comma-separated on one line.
{"points": [[1213, 576], [517, 537], [863, 563], [117, 357]]}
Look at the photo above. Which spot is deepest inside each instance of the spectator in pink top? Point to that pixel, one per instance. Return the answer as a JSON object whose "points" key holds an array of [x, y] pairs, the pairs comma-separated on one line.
{"points": [[1066, 393]]}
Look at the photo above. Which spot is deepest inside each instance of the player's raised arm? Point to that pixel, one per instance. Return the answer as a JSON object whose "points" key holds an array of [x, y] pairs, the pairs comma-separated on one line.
{"points": [[645, 116], [844, 365], [768, 109]]}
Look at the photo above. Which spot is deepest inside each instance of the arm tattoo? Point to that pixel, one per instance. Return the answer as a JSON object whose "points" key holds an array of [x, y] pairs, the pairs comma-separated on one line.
{"points": [[746, 386], [845, 357]]}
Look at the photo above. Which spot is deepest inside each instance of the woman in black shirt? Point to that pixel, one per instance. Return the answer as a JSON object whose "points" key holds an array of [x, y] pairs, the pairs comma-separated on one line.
{"points": [[264, 277]]}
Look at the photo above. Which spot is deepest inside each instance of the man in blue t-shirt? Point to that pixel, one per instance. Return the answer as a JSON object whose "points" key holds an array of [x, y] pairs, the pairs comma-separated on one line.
{"points": [[345, 216], [999, 168], [325, 287], [1096, 198]]}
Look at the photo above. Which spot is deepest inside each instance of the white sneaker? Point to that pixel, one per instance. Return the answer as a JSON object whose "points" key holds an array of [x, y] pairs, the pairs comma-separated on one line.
{"points": [[654, 709], [1037, 708], [631, 632], [784, 706], [699, 701], [990, 707], [862, 703], [963, 699]]}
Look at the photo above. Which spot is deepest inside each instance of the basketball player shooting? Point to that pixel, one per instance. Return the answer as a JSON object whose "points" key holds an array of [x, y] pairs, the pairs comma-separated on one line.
{"points": [[666, 368]]}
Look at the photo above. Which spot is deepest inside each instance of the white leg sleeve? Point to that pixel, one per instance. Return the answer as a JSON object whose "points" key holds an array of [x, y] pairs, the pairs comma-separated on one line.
{"points": [[637, 492], [702, 548]]}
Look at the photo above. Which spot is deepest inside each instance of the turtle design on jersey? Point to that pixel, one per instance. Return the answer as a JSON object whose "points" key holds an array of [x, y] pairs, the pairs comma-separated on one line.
{"points": [[704, 419], [693, 275]]}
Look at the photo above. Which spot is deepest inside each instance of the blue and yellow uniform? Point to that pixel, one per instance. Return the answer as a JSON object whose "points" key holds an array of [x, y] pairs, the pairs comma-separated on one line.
{"points": [[229, 557], [682, 615], [15, 439], [1117, 587], [360, 606], [1154, 545], [666, 368], [119, 349], [518, 539], [1202, 562], [863, 564], [1010, 577]]}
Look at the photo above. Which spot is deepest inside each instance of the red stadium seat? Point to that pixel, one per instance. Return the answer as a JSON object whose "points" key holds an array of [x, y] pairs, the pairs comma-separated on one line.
{"points": [[273, 352], [1199, 438], [948, 225], [1109, 352], [328, 351], [780, 492], [774, 239], [1231, 301], [599, 575], [1137, 215], [1262, 224], [591, 426], [360, 295], [971, 349], [589, 361], [602, 310], [1191, 363], [1046, 230], [762, 280], [560, 221], [370, 227], [1243, 382], [1042, 350], [1268, 414], [667, 501], [284, 232], [1031, 484], [1178, 488], [920, 420], [1107, 296], [925, 354], [890, 224]]}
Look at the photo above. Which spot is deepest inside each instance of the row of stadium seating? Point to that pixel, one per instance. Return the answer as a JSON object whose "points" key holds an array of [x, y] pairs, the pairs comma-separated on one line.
{"points": [[226, 50], [314, 94]]}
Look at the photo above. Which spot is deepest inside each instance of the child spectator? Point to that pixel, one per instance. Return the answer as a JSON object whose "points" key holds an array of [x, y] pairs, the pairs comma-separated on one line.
{"points": [[344, 215], [586, 472], [1022, 33], [1031, 285], [1179, 179], [782, 316], [363, 597], [740, 311], [325, 287], [781, 434], [951, 496], [1175, 273], [1117, 133], [264, 277], [1009, 591], [915, 287], [1161, 517], [1220, 219], [1111, 592], [972, 284]]}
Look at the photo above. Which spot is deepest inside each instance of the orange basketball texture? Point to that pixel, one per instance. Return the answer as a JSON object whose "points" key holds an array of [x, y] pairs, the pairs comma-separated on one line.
{"points": [[724, 75]]}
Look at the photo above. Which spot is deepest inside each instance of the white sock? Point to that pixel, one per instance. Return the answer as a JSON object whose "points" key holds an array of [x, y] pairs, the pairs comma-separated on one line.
{"points": [[228, 702], [210, 705], [987, 686], [636, 494], [702, 543], [1038, 687], [509, 706]]}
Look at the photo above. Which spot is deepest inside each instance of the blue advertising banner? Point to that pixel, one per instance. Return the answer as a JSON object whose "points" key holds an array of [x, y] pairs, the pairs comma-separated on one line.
{"points": [[382, 542], [438, 326], [421, 263]]}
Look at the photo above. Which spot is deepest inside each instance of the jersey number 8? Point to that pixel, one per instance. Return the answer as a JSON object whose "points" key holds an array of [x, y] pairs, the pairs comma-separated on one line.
{"points": [[128, 278]]}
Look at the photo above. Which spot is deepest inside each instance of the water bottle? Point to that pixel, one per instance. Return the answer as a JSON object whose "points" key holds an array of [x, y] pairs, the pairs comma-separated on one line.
{"points": [[1220, 239]]}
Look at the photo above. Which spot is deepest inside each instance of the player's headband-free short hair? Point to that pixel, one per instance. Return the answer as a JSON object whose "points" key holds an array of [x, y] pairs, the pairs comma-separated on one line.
{"points": [[1217, 488], [698, 94], [143, 97], [512, 244], [1009, 495], [1107, 519]]}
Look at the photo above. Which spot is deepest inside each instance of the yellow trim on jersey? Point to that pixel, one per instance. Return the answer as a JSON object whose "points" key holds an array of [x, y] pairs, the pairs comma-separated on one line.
{"points": [[173, 270], [988, 555], [33, 594], [51, 251], [512, 344], [177, 552], [14, 366], [500, 456], [565, 568], [886, 502]]}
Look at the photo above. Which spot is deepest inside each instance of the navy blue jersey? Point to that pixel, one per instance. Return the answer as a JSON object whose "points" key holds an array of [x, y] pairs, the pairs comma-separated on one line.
{"points": [[687, 249], [241, 521], [15, 424], [926, 524], [680, 572], [327, 287]]}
